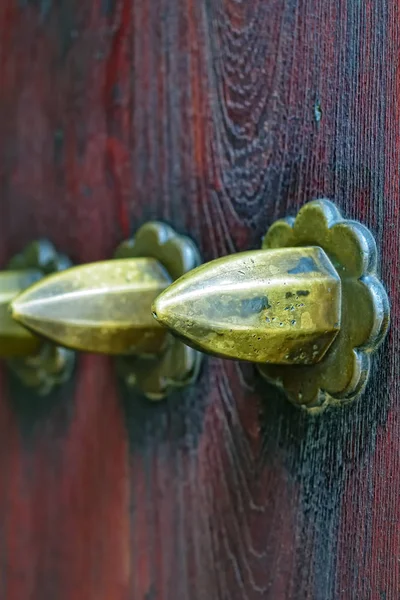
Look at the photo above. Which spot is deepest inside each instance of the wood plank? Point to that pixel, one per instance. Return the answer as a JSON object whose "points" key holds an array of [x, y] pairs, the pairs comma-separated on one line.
{"points": [[219, 117]]}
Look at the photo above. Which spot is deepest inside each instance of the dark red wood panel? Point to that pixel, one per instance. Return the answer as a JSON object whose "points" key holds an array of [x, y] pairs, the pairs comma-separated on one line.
{"points": [[217, 116]]}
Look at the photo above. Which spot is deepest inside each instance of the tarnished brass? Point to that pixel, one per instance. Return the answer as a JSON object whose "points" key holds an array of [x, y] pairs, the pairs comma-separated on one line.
{"points": [[343, 373], [100, 307], [26, 268], [177, 365], [105, 307], [157, 376], [309, 309], [280, 307], [176, 253], [39, 365], [15, 340]]}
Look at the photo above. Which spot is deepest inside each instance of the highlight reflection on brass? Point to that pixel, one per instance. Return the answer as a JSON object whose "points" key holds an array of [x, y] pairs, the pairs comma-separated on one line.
{"points": [[102, 307], [308, 307], [279, 306]]}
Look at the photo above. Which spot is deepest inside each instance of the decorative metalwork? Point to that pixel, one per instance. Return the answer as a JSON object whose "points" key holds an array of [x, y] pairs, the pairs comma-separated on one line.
{"points": [[343, 373], [39, 365], [105, 307], [308, 307], [177, 365], [280, 307]]}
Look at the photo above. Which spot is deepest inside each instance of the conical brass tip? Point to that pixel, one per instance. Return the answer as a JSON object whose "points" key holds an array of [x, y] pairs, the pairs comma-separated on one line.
{"points": [[276, 306], [101, 307]]}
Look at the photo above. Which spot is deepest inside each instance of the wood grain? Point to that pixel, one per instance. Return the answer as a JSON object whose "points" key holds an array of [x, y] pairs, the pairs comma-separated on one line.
{"points": [[217, 116]]}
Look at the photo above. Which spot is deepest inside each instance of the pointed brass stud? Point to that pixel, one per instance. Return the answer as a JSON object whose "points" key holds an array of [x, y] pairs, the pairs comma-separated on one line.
{"points": [[103, 307], [343, 373], [309, 308], [279, 307]]}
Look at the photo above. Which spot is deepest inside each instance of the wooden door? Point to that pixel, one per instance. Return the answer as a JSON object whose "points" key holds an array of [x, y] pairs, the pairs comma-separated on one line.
{"points": [[217, 116]]}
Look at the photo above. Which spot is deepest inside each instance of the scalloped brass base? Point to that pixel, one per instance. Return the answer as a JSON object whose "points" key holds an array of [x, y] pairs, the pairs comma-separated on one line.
{"points": [[342, 374], [177, 365], [49, 366]]}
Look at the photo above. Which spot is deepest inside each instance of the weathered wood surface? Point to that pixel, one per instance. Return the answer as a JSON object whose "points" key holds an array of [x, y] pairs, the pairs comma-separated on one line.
{"points": [[217, 116]]}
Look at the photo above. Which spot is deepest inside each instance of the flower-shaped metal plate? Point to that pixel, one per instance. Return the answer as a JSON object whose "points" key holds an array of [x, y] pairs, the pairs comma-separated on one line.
{"points": [[177, 365], [51, 365], [343, 372]]}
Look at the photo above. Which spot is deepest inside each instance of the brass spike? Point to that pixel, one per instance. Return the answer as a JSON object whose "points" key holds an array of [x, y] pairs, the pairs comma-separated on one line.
{"points": [[277, 306], [103, 307]]}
